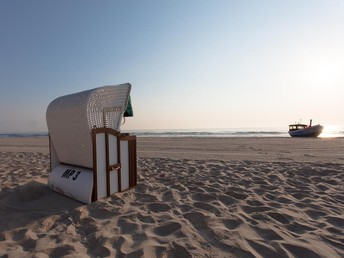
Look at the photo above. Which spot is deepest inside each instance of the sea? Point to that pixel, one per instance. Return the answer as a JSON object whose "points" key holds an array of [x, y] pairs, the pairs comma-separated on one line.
{"points": [[328, 132]]}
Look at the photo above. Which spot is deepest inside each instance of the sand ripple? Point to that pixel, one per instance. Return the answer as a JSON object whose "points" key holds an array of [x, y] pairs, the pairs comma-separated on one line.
{"points": [[181, 208]]}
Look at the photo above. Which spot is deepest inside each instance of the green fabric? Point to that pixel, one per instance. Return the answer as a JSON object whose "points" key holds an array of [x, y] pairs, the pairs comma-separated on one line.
{"points": [[129, 111]]}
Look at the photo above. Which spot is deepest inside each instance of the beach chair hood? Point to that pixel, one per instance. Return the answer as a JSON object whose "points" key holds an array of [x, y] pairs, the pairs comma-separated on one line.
{"points": [[71, 119]]}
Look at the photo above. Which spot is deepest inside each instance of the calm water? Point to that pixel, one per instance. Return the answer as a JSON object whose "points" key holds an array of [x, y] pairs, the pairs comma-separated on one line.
{"points": [[333, 131], [329, 131], [35, 134]]}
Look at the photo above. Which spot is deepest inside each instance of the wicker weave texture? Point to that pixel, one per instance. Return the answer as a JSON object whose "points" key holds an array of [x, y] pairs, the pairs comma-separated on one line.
{"points": [[71, 118]]}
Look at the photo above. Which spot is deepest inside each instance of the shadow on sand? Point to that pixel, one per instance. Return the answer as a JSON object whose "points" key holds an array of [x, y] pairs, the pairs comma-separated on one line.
{"points": [[24, 204]]}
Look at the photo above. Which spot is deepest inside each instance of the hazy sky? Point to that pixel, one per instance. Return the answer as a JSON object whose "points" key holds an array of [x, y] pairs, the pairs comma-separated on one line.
{"points": [[192, 64]]}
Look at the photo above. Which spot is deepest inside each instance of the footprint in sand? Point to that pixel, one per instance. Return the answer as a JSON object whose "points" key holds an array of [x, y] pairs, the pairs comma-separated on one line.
{"points": [[144, 198], [203, 197], [95, 245], [65, 250], [315, 214], [158, 207], [146, 219], [227, 200], [268, 234], [19, 234], [29, 244], [178, 251], [207, 207], [103, 213], [200, 222], [299, 228], [127, 227], [167, 229], [335, 221], [239, 195], [299, 251], [232, 223], [265, 250], [255, 203], [250, 209], [282, 218]]}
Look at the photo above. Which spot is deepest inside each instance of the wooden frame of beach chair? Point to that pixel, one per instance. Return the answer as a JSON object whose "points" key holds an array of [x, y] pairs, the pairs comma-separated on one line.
{"points": [[114, 159], [89, 157]]}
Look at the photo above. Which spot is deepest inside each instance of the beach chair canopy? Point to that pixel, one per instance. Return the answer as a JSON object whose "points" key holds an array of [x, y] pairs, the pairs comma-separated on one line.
{"points": [[71, 118]]}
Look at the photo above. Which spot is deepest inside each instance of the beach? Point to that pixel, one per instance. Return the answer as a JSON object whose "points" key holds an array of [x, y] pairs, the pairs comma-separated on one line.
{"points": [[196, 197]]}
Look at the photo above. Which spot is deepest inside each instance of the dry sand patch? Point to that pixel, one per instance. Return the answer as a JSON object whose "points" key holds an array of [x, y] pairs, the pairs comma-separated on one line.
{"points": [[180, 208]]}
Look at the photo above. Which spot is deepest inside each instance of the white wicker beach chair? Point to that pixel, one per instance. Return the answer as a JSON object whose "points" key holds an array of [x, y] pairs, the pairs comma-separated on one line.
{"points": [[86, 144]]}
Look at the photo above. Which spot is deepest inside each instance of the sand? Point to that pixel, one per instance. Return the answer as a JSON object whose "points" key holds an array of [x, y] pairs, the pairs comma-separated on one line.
{"points": [[196, 197]]}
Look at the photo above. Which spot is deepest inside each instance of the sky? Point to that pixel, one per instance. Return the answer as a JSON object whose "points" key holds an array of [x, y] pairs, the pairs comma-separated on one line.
{"points": [[192, 64]]}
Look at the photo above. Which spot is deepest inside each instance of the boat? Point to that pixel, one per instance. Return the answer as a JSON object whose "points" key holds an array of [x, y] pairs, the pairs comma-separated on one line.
{"points": [[303, 130]]}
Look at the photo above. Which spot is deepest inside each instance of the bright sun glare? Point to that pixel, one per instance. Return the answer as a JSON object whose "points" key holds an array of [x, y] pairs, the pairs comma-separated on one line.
{"points": [[322, 72], [330, 131]]}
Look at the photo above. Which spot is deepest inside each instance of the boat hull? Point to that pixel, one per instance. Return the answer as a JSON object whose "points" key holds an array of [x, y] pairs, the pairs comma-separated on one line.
{"points": [[312, 131]]}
